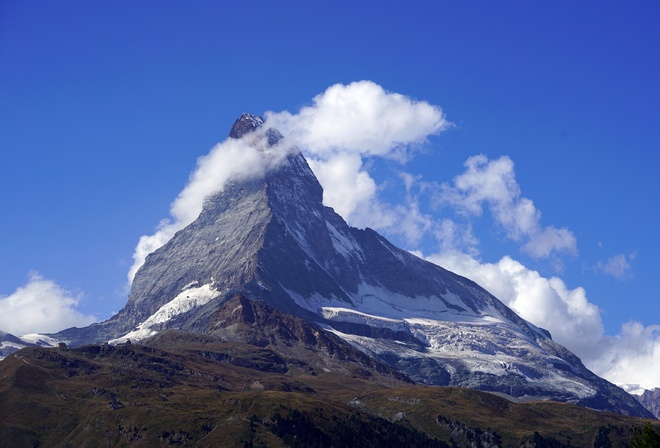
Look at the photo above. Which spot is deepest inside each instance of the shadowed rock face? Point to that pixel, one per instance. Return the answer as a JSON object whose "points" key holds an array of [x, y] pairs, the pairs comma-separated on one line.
{"points": [[273, 241], [240, 319], [650, 399]]}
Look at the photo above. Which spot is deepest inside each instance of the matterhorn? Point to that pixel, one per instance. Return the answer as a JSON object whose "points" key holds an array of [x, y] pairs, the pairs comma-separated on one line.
{"points": [[268, 241]]}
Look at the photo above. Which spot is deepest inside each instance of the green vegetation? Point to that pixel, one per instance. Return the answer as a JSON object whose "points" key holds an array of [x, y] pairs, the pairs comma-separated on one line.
{"points": [[645, 437], [211, 394]]}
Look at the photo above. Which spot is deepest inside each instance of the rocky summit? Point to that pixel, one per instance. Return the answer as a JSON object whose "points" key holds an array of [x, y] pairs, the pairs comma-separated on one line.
{"points": [[271, 241]]}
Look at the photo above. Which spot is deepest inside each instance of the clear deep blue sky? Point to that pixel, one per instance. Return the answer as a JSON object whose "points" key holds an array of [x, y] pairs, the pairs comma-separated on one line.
{"points": [[105, 106]]}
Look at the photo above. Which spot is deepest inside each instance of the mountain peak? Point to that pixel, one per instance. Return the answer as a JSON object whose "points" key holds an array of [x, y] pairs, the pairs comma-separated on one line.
{"points": [[245, 124]]}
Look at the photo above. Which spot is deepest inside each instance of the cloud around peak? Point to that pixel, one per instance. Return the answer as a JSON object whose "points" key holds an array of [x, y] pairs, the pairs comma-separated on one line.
{"points": [[231, 159], [344, 124], [344, 127]]}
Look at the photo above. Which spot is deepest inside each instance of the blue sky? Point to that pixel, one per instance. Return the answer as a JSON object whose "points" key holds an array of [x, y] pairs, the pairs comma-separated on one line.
{"points": [[106, 106]]}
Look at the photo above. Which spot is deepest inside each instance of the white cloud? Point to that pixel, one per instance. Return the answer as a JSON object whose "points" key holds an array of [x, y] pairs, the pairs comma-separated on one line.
{"points": [[632, 356], [349, 123], [360, 118], [353, 193], [455, 238], [413, 224], [494, 183], [617, 266], [348, 188], [40, 306], [231, 159], [549, 239]]}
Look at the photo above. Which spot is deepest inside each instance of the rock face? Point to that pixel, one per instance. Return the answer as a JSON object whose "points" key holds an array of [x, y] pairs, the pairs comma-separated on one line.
{"points": [[243, 320], [272, 240], [650, 399]]}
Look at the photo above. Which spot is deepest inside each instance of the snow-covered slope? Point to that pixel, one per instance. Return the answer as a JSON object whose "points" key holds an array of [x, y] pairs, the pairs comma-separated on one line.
{"points": [[272, 240], [190, 298], [10, 343]]}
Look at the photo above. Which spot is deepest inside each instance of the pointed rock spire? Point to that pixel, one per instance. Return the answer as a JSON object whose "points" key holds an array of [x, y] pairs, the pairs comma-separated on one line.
{"points": [[245, 124]]}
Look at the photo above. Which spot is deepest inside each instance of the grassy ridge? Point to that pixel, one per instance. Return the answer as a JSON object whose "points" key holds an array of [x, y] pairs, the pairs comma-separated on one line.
{"points": [[241, 395]]}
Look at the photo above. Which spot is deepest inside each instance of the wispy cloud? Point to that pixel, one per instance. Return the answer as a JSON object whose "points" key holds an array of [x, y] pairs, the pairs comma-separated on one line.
{"points": [[40, 306], [617, 266], [493, 183], [232, 159], [452, 237]]}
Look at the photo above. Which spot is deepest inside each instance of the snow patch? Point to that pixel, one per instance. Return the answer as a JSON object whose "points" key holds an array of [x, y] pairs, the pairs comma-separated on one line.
{"points": [[481, 341], [8, 344], [316, 302], [379, 301], [254, 120], [352, 316], [41, 340], [345, 246], [453, 299], [396, 253], [186, 301], [467, 352]]}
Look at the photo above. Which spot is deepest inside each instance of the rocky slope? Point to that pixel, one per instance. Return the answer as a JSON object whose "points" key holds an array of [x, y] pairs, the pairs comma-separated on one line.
{"points": [[650, 399], [193, 389]]}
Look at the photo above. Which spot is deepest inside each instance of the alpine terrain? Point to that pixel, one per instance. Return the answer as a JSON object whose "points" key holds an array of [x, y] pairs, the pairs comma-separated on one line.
{"points": [[266, 263]]}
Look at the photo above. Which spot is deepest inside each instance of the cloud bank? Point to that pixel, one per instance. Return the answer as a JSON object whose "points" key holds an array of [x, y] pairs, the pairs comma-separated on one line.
{"points": [[40, 306], [630, 357]]}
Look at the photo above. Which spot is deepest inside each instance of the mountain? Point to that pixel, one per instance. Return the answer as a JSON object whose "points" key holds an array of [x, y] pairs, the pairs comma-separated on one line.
{"points": [[10, 344], [272, 241], [650, 399]]}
